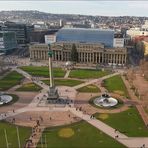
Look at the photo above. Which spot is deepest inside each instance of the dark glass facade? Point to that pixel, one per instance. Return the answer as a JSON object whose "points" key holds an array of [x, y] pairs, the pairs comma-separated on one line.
{"points": [[22, 31], [7, 41], [86, 35]]}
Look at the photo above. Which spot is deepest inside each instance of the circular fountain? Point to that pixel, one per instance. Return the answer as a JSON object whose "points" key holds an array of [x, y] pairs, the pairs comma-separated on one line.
{"points": [[4, 99], [105, 101]]}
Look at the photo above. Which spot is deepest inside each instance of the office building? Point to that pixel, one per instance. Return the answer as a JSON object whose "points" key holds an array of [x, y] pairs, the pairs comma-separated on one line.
{"points": [[22, 31], [7, 41]]}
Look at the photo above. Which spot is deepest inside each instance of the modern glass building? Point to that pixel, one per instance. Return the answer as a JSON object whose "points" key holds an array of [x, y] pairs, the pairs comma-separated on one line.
{"points": [[86, 35], [7, 41], [22, 31]]}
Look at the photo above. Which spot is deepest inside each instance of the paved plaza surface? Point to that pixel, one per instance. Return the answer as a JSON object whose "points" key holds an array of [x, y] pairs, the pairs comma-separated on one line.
{"points": [[32, 107]]}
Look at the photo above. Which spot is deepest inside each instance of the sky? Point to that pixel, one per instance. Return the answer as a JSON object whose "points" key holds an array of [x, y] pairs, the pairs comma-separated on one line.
{"points": [[106, 8]]}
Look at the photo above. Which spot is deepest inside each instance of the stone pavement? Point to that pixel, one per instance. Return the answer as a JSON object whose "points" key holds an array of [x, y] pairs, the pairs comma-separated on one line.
{"points": [[35, 137], [67, 74]]}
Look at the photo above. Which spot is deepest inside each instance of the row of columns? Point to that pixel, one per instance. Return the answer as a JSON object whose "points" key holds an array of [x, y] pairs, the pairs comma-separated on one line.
{"points": [[101, 58], [61, 56], [39, 54], [83, 57]]}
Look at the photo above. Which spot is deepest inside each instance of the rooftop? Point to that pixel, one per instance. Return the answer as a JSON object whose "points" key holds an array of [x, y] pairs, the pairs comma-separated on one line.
{"points": [[85, 35]]}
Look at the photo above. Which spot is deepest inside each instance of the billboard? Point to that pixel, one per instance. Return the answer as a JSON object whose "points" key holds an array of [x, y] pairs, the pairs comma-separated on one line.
{"points": [[50, 39]]}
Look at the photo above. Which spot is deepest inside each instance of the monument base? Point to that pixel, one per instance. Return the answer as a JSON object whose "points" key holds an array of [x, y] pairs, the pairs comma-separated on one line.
{"points": [[52, 94]]}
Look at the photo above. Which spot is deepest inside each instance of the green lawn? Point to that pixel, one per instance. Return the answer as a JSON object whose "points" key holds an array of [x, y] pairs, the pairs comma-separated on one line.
{"points": [[128, 122], [24, 133], [85, 136], [115, 84], [87, 73], [89, 89], [10, 80], [65, 82], [43, 71], [29, 87]]}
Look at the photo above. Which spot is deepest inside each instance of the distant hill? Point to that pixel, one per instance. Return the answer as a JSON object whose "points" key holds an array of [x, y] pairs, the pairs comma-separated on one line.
{"points": [[29, 16]]}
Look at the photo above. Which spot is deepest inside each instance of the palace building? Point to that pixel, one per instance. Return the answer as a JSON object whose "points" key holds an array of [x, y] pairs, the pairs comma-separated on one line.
{"points": [[95, 53]]}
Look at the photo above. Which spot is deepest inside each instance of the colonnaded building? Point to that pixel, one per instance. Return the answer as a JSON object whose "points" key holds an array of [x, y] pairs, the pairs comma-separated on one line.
{"points": [[93, 46]]}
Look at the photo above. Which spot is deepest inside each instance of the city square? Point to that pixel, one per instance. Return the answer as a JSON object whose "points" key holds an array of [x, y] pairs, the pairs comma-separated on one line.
{"points": [[70, 79], [32, 108]]}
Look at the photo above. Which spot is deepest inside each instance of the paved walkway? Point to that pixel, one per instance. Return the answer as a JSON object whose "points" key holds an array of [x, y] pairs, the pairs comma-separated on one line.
{"points": [[35, 137], [67, 74]]}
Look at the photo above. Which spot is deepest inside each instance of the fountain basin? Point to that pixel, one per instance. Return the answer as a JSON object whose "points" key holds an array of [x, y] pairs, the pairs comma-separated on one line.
{"points": [[105, 101], [4, 99]]}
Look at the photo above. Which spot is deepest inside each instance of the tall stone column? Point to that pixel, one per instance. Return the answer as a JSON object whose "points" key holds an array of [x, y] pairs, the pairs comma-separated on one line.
{"points": [[111, 58], [90, 55], [125, 58], [114, 58], [55, 55], [87, 57], [62, 54], [53, 93], [31, 54], [103, 58], [51, 72], [122, 58], [93, 57], [96, 57]]}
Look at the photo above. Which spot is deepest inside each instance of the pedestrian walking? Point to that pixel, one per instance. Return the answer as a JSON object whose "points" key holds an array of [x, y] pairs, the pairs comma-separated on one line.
{"points": [[116, 136]]}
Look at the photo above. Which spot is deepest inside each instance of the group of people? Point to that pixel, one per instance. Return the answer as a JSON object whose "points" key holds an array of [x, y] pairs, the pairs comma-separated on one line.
{"points": [[35, 129]]}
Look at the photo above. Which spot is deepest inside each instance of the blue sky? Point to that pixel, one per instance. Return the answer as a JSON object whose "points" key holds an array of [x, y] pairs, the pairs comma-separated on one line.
{"points": [[108, 8]]}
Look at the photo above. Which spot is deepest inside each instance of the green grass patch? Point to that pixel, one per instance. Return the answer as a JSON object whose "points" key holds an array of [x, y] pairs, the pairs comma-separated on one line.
{"points": [[10, 80], [128, 122], [91, 102], [29, 87], [42, 71], [87, 73], [64, 82], [84, 136], [24, 134], [89, 89], [115, 84]]}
